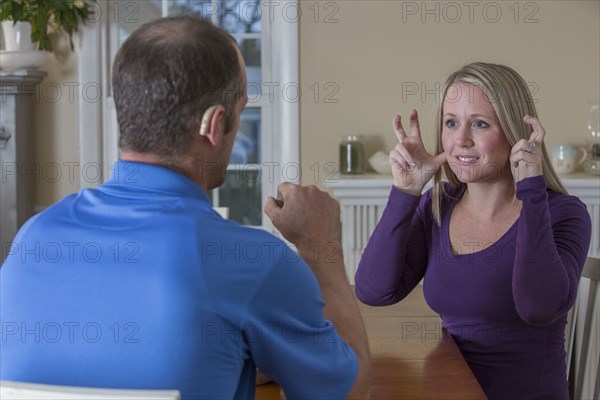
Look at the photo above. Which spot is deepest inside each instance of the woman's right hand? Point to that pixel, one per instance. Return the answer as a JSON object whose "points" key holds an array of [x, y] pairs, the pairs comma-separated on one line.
{"points": [[412, 165]]}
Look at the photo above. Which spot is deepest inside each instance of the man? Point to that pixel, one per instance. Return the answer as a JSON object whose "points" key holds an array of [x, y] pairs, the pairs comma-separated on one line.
{"points": [[140, 284]]}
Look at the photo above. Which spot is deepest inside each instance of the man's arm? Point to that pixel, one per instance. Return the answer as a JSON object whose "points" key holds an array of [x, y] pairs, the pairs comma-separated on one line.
{"points": [[310, 219]]}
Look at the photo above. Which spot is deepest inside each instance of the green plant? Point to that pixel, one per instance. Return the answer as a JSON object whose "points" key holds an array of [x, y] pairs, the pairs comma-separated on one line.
{"points": [[46, 16]]}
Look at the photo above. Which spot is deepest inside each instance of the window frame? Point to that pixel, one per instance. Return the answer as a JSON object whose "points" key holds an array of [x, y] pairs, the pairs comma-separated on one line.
{"points": [[280, 144]]}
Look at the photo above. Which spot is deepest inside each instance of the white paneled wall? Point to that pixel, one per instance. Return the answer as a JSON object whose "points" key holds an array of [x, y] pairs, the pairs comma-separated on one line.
{"points": [[358, 222]]}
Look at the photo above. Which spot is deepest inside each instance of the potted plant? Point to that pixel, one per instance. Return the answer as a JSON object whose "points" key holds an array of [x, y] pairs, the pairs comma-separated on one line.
{"points": [[41, 17]]}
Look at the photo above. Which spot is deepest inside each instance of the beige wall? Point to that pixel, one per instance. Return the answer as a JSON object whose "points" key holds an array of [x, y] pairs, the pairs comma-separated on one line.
{"points": [[56, 130], [379, 49], [374, 50]]}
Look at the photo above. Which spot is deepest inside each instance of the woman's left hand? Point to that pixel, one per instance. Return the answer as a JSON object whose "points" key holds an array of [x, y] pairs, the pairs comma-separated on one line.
{"points": [[526, 156]]}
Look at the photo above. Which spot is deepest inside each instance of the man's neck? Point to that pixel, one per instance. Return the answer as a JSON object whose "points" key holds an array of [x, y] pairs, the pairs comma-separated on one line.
{"points": [[147, 158], [154, 159]]}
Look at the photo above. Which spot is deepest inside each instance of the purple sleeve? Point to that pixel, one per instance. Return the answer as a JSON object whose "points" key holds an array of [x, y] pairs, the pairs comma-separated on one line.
{"points": [[387, 271], [552, 244]]}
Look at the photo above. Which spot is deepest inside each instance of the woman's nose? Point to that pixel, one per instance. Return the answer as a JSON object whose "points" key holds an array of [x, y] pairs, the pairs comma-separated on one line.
{"points": [[464, 137]]}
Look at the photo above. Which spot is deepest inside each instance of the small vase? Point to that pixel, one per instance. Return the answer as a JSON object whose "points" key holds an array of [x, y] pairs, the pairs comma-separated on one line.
{"points": [[592, 164], [17, 36], [352, 155], [593, 124]]}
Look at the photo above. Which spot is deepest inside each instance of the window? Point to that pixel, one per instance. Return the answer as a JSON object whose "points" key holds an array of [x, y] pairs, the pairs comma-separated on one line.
{"points": [[268, 136]]}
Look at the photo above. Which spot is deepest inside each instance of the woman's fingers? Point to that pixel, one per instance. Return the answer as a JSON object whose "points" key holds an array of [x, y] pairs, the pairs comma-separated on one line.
{"points": [[526, 156], [415, 129], [518, 151], [538, 134], [412, 165], [440, 160], [398, 130], [402, 157], [527, 146]]}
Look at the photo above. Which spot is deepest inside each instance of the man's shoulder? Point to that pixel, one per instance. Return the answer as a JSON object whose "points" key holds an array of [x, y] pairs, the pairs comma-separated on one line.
{"points": [[42, 220], [243, 235]]}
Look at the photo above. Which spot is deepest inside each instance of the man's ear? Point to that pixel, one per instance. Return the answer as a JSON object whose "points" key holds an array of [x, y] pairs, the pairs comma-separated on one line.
{"points": [[209, 126]]}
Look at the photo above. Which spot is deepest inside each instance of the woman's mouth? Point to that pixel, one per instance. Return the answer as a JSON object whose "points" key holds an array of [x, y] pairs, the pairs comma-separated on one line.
{"points": [[467, 159]]}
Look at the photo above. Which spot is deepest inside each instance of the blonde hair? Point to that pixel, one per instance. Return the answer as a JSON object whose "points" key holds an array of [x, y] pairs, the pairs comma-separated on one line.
{"points": [[511, 100]]}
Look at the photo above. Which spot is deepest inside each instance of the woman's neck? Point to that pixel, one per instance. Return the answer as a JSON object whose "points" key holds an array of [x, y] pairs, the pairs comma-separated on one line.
{"points": [[490, 200]]}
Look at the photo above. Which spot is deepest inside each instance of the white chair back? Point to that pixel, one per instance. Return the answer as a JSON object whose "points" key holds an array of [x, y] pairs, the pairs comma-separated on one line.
{"points": [[33, 391], [583, 336], [570, 333]]}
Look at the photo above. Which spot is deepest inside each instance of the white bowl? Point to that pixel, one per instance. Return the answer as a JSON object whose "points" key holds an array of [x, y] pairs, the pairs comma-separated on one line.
{"points": [[23, 59], [380, 162]]}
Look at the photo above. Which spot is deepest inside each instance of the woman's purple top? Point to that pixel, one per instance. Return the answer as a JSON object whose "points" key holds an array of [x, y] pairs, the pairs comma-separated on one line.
{"points": [[505, 303]]}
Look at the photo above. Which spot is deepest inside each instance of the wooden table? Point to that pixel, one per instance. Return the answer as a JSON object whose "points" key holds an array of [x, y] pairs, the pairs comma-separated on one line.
{"points": [[412, 357]]}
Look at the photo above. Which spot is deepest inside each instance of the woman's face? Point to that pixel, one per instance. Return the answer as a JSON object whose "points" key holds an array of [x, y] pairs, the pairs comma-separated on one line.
{"points": [[477, 148]]}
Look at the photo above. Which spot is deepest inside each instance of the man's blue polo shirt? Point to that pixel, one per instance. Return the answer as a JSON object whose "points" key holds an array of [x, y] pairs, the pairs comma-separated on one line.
{"points": [[141, 284]]}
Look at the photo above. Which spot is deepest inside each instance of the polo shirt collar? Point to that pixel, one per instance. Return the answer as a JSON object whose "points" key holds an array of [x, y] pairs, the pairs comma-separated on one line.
{"points": [[138, 177]]}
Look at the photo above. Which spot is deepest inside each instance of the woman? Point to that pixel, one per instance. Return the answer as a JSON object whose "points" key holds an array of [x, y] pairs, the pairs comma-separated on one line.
{"points": [[499, 242]]}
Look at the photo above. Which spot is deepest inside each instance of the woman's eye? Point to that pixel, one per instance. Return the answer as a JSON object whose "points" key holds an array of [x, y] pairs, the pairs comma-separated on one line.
{"points": [[481, 124], [451, 123]]}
